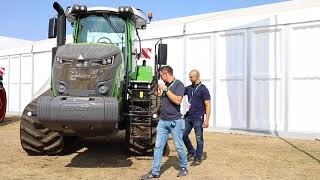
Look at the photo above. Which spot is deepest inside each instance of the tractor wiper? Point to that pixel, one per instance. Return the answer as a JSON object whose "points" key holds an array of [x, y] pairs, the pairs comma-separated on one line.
{"points": [[107, 18]]}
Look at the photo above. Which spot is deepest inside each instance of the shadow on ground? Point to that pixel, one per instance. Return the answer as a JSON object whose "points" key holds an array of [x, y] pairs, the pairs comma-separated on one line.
{"points": [[102, 153], [9, 120], [173, 161]]}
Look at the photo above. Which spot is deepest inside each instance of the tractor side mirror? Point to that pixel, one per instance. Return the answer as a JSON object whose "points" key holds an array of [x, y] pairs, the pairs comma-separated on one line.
{"points": [[162, 54], [52, 31]]}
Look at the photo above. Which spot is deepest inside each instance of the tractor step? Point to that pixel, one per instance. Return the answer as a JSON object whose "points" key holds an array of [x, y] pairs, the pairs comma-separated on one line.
{"points": [[138, 115], [140, 100], [145, 137], [141, 89], [139, 112], [141, 124]]}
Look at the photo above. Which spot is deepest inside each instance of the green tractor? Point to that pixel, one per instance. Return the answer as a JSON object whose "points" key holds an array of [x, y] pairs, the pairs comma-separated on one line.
{"points": [[97, 88]]}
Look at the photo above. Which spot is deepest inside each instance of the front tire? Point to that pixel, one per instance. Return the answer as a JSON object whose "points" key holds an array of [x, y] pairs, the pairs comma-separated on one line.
{"points": [[38, 140]]}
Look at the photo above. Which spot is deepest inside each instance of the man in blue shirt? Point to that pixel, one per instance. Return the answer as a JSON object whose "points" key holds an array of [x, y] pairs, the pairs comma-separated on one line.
{"points": [[171, 122], [197, 116]]}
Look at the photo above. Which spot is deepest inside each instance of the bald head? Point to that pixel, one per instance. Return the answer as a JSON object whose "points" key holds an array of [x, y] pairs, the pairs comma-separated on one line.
{"points": [[195, 73], [194, 76]]}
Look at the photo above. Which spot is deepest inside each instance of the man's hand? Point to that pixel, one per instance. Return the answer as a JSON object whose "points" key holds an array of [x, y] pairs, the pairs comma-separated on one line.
{"points": [[205, 123], [208, 111], [159, 92], [163, 87]]}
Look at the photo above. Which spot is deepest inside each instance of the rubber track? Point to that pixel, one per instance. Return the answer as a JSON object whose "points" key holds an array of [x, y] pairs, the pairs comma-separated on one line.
{"points": [[36, 139]]}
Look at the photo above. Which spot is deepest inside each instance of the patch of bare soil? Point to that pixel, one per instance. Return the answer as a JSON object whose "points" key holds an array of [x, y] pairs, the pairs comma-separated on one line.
{"points": [[226, 156]]}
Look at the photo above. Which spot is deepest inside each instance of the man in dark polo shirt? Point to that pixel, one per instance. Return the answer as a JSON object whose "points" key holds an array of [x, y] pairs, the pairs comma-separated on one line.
{"points": [[197, 116], [171, 122]]}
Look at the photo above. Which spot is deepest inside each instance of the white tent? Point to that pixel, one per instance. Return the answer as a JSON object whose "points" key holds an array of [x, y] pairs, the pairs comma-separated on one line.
{"points": [[259, 63], [7, 43]]}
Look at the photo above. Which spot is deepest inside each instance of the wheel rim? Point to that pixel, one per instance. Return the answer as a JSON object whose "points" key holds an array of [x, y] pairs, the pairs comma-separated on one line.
{"points": [[3, 103]]}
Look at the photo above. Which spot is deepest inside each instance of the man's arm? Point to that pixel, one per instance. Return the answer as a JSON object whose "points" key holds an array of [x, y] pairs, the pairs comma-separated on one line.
{"points": [[208, 112], [174, 98]]}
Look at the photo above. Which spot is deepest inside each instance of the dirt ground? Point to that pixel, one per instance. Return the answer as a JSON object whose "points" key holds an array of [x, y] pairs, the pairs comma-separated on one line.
{"points": [[226, 156]]}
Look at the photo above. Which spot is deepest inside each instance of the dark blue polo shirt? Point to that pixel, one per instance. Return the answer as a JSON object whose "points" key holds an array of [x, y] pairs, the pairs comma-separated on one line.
{"points": [[197, 94], [169, 110]]}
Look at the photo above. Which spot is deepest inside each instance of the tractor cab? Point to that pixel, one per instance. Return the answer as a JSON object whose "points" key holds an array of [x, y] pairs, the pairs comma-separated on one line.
{"points": [[106, 26]]}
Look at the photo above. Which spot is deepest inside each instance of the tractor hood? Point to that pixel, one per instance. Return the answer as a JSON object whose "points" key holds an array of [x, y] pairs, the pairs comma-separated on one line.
{"points": [[86, 51], [87, 69]]}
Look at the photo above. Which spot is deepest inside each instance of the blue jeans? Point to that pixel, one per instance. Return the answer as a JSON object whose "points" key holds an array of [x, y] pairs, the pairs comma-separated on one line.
{"points": [[197, 125], [176, 128]]}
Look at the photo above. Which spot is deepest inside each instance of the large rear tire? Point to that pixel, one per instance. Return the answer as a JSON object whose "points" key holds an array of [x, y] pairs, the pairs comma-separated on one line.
{"points": [[39, 140]]}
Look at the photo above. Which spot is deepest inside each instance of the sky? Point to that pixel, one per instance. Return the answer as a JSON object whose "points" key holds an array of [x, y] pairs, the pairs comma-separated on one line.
{"points": [[28, 20]]}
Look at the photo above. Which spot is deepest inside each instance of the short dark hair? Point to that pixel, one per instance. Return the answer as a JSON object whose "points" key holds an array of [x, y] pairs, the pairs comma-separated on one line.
{"points": [[168, 69]]}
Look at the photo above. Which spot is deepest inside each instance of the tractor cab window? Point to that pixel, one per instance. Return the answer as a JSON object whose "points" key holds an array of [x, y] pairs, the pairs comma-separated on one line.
{"points": [[103, 28]]}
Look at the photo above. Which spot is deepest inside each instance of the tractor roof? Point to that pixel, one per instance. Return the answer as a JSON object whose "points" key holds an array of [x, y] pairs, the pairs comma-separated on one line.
{"points": [[102, 9], [138, 16]]}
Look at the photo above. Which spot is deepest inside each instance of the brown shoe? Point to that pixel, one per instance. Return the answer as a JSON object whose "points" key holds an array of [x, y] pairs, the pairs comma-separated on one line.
{"points": [[195, 162], [149, 176], [190, 156]]}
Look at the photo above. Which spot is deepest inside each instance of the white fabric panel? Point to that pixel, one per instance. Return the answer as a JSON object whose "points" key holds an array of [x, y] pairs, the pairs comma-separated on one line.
{"points": [[42, 69], [175, 56], [304, 78], [199, 55], [266, 80], [26, 68], [26, 95], [14, 69], [14, 98], [230, 80]]}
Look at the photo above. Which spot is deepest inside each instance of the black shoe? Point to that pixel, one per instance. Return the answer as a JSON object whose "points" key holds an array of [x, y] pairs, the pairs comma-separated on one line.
{"points": [[190, 156], [149, 176], [195, 162], [182, 172]]}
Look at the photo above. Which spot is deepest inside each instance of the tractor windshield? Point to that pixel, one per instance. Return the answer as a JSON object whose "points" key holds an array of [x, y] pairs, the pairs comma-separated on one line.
{"points": [[102, 28]]}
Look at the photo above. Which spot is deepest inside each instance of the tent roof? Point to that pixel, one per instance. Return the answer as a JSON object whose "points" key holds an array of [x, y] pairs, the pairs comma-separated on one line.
{"points": [[7, 42], [270, 14]]}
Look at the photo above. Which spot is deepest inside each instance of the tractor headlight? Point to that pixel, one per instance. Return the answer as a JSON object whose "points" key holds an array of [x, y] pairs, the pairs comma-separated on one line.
{"points": [[78, 9], [108, 61], [103, 89], [125, 10], [64, 61], [61, 88], [59, 60]]}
